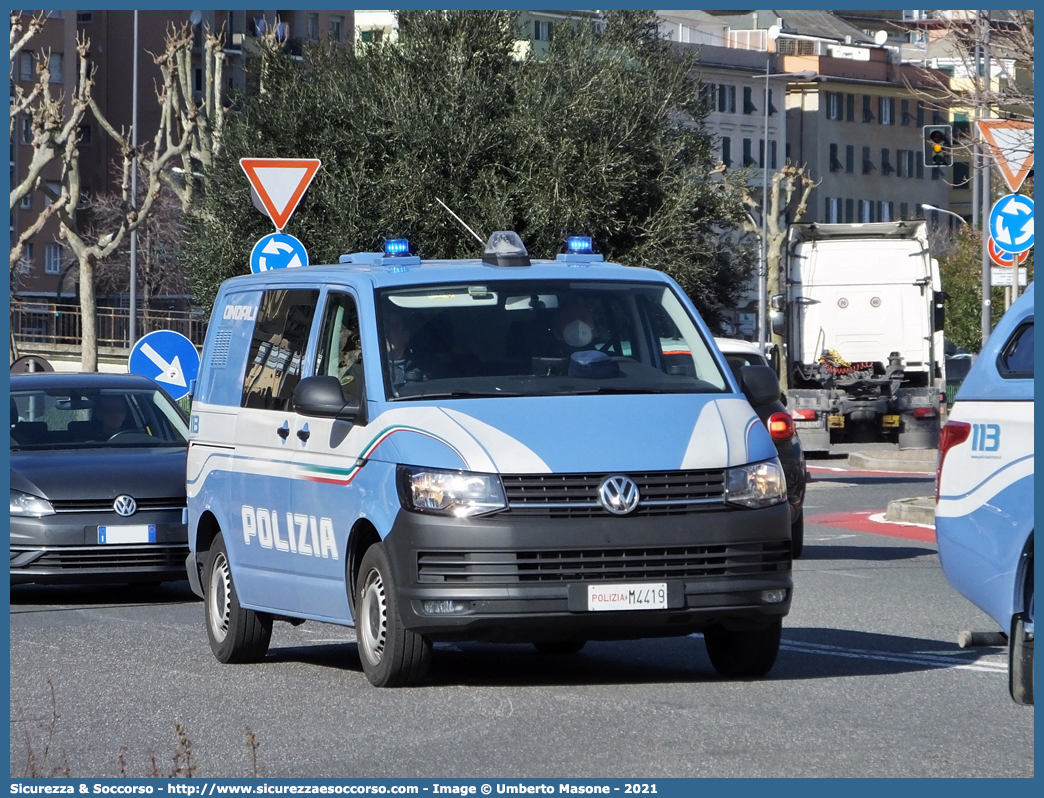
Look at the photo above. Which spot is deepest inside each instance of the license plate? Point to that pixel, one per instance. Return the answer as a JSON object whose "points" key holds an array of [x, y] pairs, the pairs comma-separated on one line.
{"points": [[132, 533], [647, 596], [835, 422], [889, 421]]}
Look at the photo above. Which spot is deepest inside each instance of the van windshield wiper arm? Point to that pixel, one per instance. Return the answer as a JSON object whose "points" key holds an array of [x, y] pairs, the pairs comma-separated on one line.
{"points": [[457, 395]]}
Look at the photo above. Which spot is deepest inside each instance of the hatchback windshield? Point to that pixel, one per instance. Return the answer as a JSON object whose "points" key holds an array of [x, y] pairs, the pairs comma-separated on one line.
{"points": [[64, 418], [541, 338]]}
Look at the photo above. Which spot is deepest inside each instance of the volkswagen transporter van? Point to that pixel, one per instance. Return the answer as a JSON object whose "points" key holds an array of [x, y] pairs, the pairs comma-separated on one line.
{"points": [[503, 450]]}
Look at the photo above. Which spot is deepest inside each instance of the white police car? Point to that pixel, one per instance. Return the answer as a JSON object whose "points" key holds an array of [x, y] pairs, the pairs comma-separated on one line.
{"points": [[496, 449], [984, 515]]}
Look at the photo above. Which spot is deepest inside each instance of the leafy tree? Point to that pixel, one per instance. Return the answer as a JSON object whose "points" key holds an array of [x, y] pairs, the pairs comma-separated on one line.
{"points": [[600, 137]]}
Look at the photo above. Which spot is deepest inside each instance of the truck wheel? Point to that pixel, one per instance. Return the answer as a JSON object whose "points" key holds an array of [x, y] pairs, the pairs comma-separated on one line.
{"points": [[559, 646], [1020, 662], [797, 537], [391, 655], [743, 654], [236, 635]]}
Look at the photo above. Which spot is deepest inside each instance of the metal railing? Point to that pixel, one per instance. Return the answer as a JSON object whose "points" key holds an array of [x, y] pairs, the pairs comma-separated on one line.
{"points": [[50, 323]]}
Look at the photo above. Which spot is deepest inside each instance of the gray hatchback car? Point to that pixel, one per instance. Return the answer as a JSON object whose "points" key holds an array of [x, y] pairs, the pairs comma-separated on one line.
{"points": [[97, 480]]}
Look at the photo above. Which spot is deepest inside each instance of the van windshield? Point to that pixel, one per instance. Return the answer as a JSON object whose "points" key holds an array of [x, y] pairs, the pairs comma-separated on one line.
{"points": [[541, 338]]}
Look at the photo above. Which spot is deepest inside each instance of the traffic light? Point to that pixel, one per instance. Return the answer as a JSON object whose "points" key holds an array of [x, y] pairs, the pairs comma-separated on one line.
{"points": [[938, 145]]}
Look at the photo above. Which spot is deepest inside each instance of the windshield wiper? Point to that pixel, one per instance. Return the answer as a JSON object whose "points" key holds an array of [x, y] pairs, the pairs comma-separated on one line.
{"points": [[611, 389], [458, 395]]}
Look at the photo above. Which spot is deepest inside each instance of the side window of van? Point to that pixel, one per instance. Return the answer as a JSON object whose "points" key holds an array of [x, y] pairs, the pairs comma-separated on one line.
{"points": [[1015, 361], [278, 346], [340, 346]]}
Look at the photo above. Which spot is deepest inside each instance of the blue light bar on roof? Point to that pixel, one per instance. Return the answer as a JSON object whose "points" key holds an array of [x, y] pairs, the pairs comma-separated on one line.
{"points": [[579, 244], [397, 246]]}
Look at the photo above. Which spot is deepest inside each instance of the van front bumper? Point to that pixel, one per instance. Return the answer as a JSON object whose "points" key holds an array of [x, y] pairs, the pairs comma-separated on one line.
{"points": [[513, 578]]}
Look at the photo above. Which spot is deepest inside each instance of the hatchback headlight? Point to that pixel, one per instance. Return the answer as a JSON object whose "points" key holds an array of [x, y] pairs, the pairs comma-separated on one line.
{"points": [[756, 485], [459, 493], [27, 505]]}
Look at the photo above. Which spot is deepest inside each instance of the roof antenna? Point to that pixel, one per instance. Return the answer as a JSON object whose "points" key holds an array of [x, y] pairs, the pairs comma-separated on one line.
{"points": [[451, 213]]}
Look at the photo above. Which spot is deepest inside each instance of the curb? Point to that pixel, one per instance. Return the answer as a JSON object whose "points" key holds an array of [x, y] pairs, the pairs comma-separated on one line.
{"points": [[921, 461], [919, 510]]}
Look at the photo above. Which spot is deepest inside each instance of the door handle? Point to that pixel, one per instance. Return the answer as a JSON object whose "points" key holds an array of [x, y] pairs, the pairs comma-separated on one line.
{"points": [[303, 434], [284, 431]]}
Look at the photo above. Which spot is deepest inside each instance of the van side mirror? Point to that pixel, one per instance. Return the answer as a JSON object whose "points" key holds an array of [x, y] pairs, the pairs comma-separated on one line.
{"points": [[321, 397], [777, 303], [778, 321], [759, 384]]}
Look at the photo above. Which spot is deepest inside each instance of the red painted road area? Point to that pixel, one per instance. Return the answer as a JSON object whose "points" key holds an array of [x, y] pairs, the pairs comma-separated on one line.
{"points": [[860, 522]]}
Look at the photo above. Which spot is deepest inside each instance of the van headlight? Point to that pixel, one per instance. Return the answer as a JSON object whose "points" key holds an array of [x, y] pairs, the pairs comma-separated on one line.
{"points": [[756, 485], [26, 505], [463, 494]]}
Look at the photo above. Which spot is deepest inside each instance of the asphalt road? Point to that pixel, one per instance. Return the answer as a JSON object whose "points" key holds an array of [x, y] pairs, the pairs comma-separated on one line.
{"points": [[869, 682]]}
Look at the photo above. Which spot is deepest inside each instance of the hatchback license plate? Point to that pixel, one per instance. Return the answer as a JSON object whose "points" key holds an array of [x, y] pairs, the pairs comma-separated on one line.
{"points": [[647, 596], [132, 533]]}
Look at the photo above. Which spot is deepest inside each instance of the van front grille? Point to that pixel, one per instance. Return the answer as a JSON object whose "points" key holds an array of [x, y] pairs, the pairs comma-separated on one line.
{"points": [[576, 495], [600, 565]]}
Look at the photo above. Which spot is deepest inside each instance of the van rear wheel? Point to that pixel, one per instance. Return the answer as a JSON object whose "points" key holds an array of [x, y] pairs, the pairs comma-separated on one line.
{"points": [[391, 655], [236, 635], [737, 655]]}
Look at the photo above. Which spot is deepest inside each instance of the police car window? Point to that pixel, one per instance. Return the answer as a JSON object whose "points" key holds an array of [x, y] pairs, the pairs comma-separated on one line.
{"points": [[1016, 358], [277, 347], [340, 345], [540, 338]]}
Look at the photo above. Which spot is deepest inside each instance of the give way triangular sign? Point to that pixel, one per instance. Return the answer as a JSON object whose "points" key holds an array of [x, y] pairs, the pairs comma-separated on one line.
{"points": [[280, 183], [1012, 145]]}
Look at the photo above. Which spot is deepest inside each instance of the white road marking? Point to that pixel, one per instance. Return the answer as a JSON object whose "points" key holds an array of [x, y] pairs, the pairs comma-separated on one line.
{"points": [[880, 519]]}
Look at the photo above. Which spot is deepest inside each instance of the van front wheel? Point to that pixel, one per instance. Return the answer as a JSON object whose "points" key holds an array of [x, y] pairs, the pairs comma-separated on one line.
{"points": [[391, 655], [236, 635], [737, 655]]}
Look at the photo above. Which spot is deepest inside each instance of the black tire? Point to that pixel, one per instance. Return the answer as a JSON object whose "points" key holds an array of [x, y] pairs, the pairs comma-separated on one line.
{"points": [[797, 537], [559, 647], [236, 635], [391, 655], [737, 655], [1020, 662]]}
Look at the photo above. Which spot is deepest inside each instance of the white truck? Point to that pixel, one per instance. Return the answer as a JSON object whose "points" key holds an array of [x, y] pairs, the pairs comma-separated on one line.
{"points": [[861, 318]]}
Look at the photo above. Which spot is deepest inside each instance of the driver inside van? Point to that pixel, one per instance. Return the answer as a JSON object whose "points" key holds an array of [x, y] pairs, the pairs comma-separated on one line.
{"points": [[574, 326]]}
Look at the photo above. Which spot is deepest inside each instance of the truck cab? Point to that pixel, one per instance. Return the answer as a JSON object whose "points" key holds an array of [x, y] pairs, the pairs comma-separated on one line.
{"points": [[862, 319]]}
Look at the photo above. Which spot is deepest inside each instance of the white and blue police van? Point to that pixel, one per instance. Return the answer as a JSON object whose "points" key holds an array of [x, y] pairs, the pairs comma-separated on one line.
{"points": [[502, 449], [984, 510]]}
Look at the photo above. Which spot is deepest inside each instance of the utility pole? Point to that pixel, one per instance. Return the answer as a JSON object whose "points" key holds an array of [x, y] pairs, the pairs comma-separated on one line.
{"points": [[976, 167], [132, 332], [987, 286]]}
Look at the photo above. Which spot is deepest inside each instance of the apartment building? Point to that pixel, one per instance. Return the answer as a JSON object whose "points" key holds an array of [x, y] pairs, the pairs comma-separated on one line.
{"points": [[47, 270]]}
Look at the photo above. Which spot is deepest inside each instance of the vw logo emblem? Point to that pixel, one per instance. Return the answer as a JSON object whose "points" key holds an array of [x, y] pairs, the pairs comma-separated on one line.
{"points": [[618, 495], [125, 505]]}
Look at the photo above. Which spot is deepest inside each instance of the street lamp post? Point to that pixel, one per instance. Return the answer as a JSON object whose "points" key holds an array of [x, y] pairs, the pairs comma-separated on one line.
{"points": [[928, 207]]}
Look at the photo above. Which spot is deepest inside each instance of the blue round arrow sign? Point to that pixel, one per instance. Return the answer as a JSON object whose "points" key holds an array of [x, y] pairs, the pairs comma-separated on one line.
{"points": [[277, 251], [167, 357], [1011, 223]]}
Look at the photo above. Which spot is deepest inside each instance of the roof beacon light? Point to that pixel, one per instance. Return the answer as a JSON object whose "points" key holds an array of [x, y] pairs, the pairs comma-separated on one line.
{"points": [[394, 247], [577, 245], [505, 248]]}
